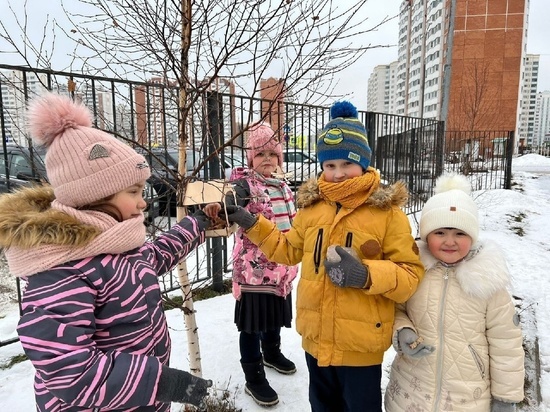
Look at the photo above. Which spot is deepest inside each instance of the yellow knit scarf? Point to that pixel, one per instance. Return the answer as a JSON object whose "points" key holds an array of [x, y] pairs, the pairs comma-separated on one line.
{"points": [[352, 192]]}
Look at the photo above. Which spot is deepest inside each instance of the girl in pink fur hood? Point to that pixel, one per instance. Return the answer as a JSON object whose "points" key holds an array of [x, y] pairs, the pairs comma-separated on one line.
{"points": [[92, 320]]}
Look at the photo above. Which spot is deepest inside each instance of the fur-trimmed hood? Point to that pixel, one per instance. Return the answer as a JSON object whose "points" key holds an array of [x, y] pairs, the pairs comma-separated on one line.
{"points": [[383, 198], [27, 220], [481, 274], [465, 312], [39, 233]]}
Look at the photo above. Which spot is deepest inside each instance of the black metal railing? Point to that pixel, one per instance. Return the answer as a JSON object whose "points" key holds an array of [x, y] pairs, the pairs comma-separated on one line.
{"points": [[146, 115]]}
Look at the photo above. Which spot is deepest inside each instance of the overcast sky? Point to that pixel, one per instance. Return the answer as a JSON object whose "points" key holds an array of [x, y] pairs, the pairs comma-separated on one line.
{"points": [[352, 81]]}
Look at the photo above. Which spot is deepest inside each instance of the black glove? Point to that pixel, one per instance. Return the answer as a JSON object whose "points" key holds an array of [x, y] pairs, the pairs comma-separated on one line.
{"points": [[182, 387], [411, 345], [202, 220], [348, 271], [238, 215]]}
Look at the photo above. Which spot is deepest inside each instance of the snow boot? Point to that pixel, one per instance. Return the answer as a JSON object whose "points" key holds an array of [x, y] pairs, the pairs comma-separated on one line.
{"points": [[273, 358], [257, 385]]}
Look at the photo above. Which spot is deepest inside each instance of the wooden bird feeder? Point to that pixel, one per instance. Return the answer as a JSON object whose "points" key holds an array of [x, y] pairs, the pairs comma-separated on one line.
{"points": [[212, 191]]}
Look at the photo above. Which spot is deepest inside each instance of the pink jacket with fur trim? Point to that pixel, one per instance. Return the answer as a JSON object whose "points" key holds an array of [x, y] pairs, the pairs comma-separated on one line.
{"points": [[252, 270]]}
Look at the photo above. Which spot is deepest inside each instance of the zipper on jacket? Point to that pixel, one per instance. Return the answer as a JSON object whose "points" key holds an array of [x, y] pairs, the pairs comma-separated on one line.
{"points": [[317, 250], [349, 239], [478, 361], [439, 362]]}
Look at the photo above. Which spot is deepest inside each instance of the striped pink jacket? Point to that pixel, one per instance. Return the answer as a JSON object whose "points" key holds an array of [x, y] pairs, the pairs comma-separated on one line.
{"points": [[95, 329]]}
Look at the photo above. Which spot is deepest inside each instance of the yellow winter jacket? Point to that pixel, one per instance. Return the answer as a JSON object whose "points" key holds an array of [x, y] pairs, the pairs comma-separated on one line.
{"points": [[346, 326]]}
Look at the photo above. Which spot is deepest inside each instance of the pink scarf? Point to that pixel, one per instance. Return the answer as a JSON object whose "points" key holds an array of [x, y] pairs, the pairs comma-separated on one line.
{"points": [[115, 238]]}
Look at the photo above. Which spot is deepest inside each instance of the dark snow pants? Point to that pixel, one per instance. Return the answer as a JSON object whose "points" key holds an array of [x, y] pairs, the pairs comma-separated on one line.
{"points": [[344, 388]]}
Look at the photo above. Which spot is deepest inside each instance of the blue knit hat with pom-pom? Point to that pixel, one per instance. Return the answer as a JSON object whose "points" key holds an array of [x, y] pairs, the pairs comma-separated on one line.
{"points": [[344, 137]]}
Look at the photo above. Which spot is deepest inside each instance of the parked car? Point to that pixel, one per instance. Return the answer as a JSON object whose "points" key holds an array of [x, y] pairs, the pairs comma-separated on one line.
{"points": [[25, 166], [300, 166]]}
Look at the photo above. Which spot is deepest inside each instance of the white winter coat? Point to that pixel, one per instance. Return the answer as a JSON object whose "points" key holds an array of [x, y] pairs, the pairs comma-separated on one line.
{"points": [[466, 312]]}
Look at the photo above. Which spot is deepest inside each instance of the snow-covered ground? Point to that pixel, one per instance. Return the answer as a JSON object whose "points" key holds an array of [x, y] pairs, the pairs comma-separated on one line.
{"points": [[518, 219]]}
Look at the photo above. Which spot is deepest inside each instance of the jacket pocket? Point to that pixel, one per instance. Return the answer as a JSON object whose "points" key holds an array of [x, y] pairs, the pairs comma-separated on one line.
{"points": [[478, 361], [317, 250]]}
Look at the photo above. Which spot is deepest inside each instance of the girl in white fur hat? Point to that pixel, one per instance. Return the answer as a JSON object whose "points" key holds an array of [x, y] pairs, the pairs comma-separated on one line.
{"points": [[458, 339]]}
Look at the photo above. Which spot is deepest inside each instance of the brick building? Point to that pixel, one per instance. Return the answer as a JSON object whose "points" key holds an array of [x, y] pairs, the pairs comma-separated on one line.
{"points": [[461, 61], [487, 50], [272, 93]]}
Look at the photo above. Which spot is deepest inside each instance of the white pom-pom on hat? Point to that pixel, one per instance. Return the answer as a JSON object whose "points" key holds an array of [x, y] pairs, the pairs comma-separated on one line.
{"points": [[452, 181], [450, 207]]}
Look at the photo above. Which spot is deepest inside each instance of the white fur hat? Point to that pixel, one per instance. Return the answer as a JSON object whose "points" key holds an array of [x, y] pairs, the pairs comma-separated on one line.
{"points": [[450, 206]]}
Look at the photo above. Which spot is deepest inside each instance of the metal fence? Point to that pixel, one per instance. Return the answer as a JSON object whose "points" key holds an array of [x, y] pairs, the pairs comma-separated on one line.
{"points": [[484, 156], [146, 115]]}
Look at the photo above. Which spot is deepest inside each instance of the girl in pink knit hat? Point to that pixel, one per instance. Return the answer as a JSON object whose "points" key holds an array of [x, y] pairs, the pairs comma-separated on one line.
{"points": [[92, 319], [261, 287]]}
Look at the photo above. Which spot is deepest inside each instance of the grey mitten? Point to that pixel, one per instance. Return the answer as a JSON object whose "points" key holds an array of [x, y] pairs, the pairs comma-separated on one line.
{"points": [[412, 345], [180, 386], [499, 406], [238, 215], [347, 271]]}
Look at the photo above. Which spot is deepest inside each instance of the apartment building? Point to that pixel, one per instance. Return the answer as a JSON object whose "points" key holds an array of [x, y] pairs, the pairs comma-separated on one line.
{"points": [[381, 88], [272, 93], [461, 61], [541, 129], [420, 58], [156, 112], [18, 86], [13, 85], [527, 104]]}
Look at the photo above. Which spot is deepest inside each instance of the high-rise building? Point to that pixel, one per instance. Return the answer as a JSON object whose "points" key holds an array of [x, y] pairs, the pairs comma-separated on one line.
{"points": [[272, 93], [420, 58], [101, 103], [541, 133], [461, 61], [230, 128], [156, 112], [527, 105], [381, 88], [156, 108], [14, 85]]}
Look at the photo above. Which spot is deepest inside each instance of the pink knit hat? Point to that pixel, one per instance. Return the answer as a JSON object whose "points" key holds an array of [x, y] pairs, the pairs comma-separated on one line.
{"points": [[261, 137], [83, 164]]}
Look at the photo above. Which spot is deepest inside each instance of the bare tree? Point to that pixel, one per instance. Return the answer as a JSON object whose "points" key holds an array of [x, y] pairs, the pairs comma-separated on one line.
{"points": [[194, 44], [475, 113], [477, 102]]}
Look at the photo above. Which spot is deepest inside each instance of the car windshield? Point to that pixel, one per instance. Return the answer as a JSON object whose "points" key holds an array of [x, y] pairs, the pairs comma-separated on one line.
{"points": [[297, 157], [23, 163]]}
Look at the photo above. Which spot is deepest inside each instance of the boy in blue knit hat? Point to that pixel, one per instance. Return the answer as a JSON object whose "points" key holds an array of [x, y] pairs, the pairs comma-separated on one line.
{"points": [[358, 259], [344, 137]]}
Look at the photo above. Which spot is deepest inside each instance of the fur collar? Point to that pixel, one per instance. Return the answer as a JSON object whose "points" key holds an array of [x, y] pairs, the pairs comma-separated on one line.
{"points": [[35, 227], [383, 198], [481, 274], [27, 221]]}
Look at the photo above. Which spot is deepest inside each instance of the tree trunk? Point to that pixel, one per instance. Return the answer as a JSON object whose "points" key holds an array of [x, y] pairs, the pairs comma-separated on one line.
{"points": [[187, 305]]}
